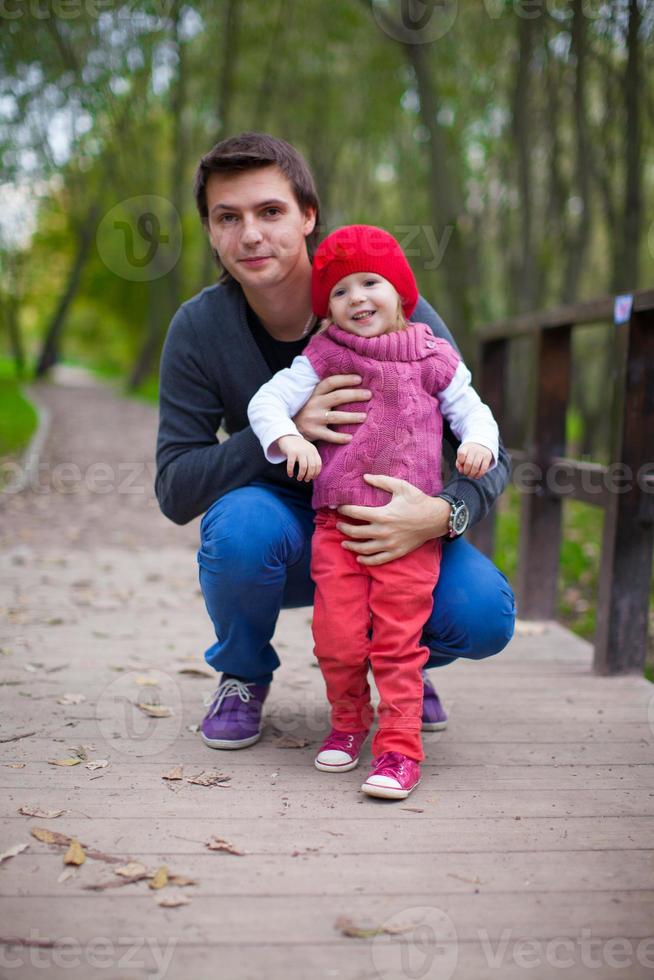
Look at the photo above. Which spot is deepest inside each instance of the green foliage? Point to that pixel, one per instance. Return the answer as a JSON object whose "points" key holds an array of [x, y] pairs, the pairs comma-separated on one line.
{"points": [[18, 417]]}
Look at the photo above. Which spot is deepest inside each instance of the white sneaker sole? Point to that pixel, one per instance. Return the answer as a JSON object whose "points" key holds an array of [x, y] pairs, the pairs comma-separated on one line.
{"points": [[387, 792], [433, 726], [221, 743], [343, 767]]}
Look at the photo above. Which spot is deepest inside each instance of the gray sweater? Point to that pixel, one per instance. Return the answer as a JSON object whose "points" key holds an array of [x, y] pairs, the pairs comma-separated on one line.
{"points": [[211, 367]]}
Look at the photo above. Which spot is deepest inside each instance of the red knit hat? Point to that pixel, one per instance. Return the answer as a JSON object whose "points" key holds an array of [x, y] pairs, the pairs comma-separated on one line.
{"points": [[360, 248]]}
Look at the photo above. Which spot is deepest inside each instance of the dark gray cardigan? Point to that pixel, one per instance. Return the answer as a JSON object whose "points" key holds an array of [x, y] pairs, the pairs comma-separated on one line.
{"points": [[210, 369]]}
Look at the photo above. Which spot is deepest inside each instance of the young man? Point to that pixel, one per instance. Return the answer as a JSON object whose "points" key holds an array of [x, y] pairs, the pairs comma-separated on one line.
{"points": [[258, 204]]}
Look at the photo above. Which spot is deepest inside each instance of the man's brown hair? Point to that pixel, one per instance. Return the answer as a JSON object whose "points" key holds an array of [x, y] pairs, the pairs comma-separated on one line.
{"points": [[253, 151]]}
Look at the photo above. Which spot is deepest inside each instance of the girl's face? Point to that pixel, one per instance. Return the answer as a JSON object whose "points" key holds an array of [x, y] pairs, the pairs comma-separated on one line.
{"points": [[366, 304]]}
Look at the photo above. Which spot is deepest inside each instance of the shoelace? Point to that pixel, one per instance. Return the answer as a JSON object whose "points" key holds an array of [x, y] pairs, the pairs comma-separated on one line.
{"points": [[340, 740], [227, 689], [389, 764]]}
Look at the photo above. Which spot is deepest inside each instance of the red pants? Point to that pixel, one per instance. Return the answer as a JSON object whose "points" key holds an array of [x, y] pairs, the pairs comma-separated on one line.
{"points": [[395, 600]]}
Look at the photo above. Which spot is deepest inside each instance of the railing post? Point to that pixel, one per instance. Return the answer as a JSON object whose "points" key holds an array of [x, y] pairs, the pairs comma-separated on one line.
{"points": [[493, 376], [540, 524], [626, 563]]}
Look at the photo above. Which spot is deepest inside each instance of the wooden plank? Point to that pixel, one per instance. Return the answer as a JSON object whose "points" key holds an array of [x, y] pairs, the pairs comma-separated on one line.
{"points": [[315, 873], [540, 512], [250, 832], [592, 311], [628, 539], [229, 920]]}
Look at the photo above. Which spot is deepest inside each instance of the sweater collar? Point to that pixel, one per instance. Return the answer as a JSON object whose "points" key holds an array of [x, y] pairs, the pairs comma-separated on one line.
{"points": [[400, 345]]}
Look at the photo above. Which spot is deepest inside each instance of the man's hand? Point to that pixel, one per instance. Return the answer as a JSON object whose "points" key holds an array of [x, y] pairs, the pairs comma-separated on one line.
{"points": [[473, 460], [314, 418], [401, 526], [298, 450]]}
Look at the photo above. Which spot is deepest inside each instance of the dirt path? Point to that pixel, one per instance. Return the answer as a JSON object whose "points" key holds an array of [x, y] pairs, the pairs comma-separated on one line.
{"points": [[94, 487]]}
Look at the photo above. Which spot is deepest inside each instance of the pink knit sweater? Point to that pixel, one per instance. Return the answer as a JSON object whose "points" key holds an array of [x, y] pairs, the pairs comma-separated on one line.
{"points": [[403, 432]]}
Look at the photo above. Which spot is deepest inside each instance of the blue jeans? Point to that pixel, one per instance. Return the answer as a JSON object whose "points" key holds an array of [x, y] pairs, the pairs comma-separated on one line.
{"points": [[254, 560]]}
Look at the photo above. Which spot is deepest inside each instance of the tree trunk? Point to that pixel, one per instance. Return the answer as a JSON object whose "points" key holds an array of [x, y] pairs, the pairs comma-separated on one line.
{"points": [[50, 346], [578, 239], [628, 269]]}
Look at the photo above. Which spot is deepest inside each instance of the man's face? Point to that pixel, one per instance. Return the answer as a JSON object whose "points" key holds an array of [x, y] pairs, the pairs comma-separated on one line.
{"points": [[256, 226]]}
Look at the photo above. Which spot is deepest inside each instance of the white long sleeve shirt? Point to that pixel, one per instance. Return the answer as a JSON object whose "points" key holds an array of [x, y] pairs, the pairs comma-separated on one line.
{"points": [[271, 410]]}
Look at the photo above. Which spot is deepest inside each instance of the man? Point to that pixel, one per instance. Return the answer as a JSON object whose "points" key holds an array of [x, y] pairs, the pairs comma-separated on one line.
{"points": [[258, 204]]}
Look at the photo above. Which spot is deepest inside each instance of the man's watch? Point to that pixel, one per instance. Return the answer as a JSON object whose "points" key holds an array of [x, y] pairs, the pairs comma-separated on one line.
{"points": [[459, 516]]}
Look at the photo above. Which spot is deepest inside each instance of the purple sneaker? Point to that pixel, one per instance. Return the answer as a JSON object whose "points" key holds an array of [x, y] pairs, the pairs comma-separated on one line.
{"points": [[434, 717], [340, 751], [392, 776], [233, 720]]}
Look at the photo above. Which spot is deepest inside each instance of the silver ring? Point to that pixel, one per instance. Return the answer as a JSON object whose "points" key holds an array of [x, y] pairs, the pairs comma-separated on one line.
{"points": [[326, 413]]}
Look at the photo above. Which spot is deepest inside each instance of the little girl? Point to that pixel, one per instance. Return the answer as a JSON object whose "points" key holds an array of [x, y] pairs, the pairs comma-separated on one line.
{"points": [[363, 284]]}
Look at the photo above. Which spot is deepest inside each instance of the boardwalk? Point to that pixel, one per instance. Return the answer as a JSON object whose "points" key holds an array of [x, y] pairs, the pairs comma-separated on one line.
{"points": [[526, 851]]}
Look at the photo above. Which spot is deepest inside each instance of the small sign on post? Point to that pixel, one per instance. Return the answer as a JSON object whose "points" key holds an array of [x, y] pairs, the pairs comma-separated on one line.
{"points": [[622, 306]]}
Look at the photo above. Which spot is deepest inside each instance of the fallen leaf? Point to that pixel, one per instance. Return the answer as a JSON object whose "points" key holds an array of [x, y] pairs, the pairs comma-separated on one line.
{"points": [[160, 878], [196, 672], [97, 764], [67, 873], [175, 773], [412, 809], [145, 681], [49, 836], [64, 762], [469, 881], [351, 929], [212, 778], [285, 741], [172, 901], [13, 851], [130, 869], [218, 844], [71, 699], [154, 710], [16, 738], [75, 853], [181, 881], [15, 765], [81, 751], [35, 811]]}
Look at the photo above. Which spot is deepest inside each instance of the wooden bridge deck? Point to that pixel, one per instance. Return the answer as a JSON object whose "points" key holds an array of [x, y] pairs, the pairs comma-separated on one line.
{"points": [[527, 849]]}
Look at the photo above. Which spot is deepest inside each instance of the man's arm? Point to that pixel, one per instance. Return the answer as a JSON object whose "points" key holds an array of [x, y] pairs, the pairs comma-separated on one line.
{"points": [[193, 468], [479, 495]]}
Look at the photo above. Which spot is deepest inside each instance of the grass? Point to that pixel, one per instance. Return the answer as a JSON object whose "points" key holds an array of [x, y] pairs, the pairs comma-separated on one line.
{"points": [[18, 417]]}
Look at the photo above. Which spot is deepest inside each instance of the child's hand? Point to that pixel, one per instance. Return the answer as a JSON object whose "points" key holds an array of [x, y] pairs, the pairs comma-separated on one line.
{"points": [[304, 453], [473, 460]]}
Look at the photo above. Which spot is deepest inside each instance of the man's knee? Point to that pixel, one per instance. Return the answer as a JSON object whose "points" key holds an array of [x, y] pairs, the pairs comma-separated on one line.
{"points": [[473, 624], [244, 533]]}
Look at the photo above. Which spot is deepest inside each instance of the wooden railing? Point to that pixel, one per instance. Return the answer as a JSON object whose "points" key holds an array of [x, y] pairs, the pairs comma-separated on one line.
{"points": [[624, 488]]}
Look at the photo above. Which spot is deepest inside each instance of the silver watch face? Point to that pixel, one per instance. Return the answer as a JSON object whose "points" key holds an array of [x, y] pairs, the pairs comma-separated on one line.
{"points": [[459, 519]]}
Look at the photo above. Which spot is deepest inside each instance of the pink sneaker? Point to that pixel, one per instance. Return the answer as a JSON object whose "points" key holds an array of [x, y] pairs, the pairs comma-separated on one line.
{"points": [[393, 776], [340, 751]]}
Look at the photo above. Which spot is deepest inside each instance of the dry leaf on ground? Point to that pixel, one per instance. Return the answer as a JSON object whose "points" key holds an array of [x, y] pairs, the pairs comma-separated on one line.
{"points": [[75, 853], [211, 778], [282, 740], [13, 851], [71, 699], [15, 765], [196, 672], [171, 901], [174, 773], [130, 869], [66, 874], [49, 836], [97, 764], [154, 710], [36, 811], [64, 762], [349, 928], [181, 881], [81, 751], [160, 877], [145, 681], [218, 844]]}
